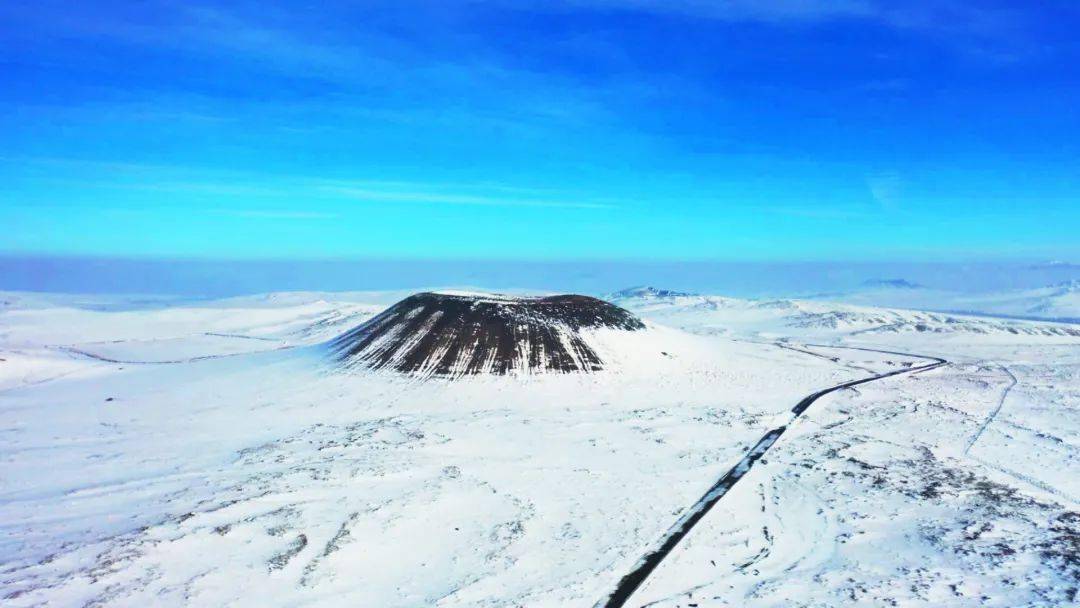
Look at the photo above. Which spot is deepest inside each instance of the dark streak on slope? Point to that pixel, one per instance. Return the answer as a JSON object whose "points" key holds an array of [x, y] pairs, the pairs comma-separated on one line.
{"points": [[451, 335]]}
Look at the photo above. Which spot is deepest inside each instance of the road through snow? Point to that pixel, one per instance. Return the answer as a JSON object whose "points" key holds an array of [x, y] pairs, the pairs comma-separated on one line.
{"points": [[629, 583]]}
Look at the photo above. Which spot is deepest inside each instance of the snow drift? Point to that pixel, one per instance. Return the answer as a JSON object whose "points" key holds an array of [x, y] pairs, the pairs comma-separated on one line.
{"points": [[455, 334]]}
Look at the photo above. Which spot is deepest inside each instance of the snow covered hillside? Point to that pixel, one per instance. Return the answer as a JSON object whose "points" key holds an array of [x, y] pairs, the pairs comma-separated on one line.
{"points": [[1059, 301], [209, 453]]}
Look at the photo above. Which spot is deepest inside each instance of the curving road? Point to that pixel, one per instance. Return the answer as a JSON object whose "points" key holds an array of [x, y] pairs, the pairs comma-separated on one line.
{"points": [[631, 582]]}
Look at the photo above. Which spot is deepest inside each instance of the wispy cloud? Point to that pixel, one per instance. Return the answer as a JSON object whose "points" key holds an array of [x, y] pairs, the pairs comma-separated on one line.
{"points": [[225, 186], [990, 32], [821, 213], [277, 214], [446, 198], [740, 10], [886, 188], [928, 14], [188, 27]]}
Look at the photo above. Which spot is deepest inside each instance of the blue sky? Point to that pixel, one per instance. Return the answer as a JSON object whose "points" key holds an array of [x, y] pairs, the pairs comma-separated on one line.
{"points": [[589, 129]]}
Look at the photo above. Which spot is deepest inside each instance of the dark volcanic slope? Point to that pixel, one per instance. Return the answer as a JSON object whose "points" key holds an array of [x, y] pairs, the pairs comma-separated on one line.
{"points": [[453, 335]]}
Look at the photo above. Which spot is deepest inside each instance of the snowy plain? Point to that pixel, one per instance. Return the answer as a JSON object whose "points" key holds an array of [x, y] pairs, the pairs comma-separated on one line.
{"points": [[204, 453]]}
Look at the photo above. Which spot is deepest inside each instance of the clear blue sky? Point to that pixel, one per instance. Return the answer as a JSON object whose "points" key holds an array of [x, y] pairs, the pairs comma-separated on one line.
{"points": [[602, 129]]}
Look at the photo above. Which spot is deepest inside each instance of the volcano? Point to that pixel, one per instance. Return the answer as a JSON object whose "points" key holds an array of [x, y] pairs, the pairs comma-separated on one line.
{"points": [[455, 334]]}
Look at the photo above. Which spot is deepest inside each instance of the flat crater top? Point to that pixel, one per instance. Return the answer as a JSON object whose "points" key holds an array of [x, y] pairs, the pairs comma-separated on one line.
{"points": [[458, 333]]}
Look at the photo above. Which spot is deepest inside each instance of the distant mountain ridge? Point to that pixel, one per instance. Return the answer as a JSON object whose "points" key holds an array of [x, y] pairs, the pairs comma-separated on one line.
{"points": [[647, 291], [1065, 287], [892, 283], [1057, 303], [834, 317]]}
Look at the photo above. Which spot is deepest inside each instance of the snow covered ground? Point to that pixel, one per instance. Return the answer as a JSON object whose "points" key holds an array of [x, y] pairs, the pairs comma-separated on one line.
{"points": [[162, 452]]}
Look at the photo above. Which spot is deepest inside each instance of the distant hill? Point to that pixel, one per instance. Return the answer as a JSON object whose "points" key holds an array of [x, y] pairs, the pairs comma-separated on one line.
{"points": [[646, 291], [891, 284]]}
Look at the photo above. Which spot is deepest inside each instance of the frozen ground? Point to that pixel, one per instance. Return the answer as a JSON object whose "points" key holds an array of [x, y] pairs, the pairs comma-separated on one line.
{"points": [[203, 453]]}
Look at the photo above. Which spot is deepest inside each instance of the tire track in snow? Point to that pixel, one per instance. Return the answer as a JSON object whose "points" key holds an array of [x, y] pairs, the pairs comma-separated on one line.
{"points": [[993, 415], [630, 583], [89, 355], [1028, 479]]}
